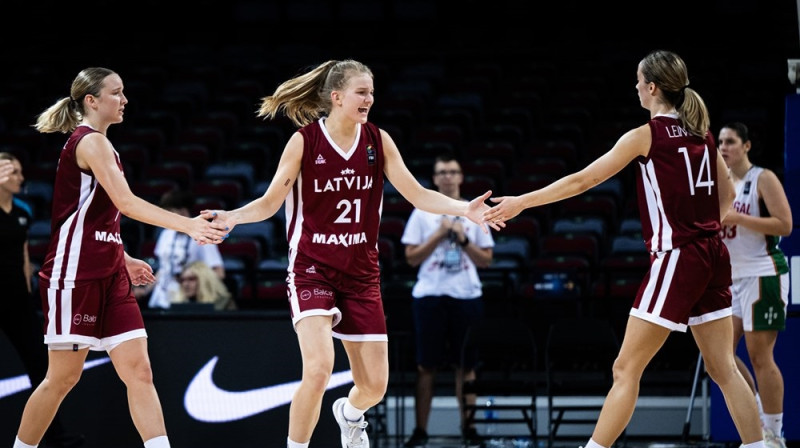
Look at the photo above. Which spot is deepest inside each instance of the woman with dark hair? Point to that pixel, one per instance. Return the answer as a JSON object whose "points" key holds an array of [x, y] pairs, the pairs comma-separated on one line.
{"points": [[752, 230]]}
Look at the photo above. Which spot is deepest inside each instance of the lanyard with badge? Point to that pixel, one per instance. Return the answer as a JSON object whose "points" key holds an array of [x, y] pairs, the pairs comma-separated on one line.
{"points": [[452, 254]]}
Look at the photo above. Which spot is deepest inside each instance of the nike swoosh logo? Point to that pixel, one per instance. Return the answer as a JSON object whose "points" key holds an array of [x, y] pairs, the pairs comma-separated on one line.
{"points": [[10, 386], [206, 402]]}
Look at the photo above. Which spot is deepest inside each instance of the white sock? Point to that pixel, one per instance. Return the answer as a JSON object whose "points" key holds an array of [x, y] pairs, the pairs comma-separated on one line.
{"points": [[775, 423], [19, 444], [593, 444], [157, 442], [292, 444], [352, 413]]}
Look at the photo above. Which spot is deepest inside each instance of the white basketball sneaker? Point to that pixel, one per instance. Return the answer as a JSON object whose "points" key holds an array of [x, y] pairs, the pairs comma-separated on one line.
{"points": [[353, 433], [772, 440]]}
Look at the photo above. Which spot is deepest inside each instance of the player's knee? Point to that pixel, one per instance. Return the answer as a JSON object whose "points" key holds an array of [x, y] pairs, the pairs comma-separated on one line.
{"points": [[720, 372], [374, 387], [61, 383], [762, 360], [625, 370], [138, 373], [317, 378]]}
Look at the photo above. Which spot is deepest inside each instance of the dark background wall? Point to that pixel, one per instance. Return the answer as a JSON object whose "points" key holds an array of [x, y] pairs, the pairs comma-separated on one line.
{"points": [[736, 50], [587, 52]]}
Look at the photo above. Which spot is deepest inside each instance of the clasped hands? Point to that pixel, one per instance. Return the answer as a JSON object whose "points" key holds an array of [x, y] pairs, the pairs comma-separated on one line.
{"points": [[507, 207], [210, 227]]}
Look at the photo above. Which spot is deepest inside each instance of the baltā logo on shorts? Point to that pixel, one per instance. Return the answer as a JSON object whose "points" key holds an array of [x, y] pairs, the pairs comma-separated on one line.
{"points": [[85, 319]]}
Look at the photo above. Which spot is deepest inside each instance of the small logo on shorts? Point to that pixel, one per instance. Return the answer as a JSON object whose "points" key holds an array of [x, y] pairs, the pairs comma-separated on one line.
{"points": [[323, 292], [311, 270], [83, 319], [305, 295], [771, 315]]}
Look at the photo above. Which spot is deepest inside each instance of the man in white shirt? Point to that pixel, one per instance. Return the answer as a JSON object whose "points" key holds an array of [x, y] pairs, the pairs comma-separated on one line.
{"points": [[448, 292]]}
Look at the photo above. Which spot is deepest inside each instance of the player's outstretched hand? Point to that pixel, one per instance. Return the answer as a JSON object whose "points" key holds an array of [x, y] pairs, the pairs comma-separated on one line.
{"points": [[476, 210], [507, 207]]}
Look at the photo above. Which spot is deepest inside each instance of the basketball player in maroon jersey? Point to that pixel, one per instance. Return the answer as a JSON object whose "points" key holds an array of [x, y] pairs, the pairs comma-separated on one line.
{"points": [[85, 280], [331, 177], [683, 190]]}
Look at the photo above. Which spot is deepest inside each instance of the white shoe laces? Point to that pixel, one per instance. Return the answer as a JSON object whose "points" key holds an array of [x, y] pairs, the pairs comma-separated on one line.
{"points": [[354, 436]]}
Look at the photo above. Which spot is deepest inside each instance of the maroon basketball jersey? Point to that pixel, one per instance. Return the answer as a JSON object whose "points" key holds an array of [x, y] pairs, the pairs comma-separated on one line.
{"points": [[677, 190], [85, 241], [334, 209]]}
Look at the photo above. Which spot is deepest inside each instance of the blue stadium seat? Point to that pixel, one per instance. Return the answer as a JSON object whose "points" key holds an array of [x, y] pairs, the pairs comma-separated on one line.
{"points": [[580, 225], [243, 172]]}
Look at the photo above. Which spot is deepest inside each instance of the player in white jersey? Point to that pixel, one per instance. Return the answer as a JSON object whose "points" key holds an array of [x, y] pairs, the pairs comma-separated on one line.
{"points": [[760, 272]]}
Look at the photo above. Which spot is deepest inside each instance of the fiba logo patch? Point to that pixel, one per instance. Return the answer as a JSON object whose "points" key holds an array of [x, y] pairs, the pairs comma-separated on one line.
{"points": [[370, 155], [305, 294]]}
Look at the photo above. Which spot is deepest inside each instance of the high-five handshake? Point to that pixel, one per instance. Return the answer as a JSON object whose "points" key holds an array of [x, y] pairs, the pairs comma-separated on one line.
{"points": [[507, 208], [477, 210]]}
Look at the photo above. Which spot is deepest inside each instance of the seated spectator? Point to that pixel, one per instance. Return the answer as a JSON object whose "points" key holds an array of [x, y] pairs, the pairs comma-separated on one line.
{"points": [[199, 284], [174, 251]]}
